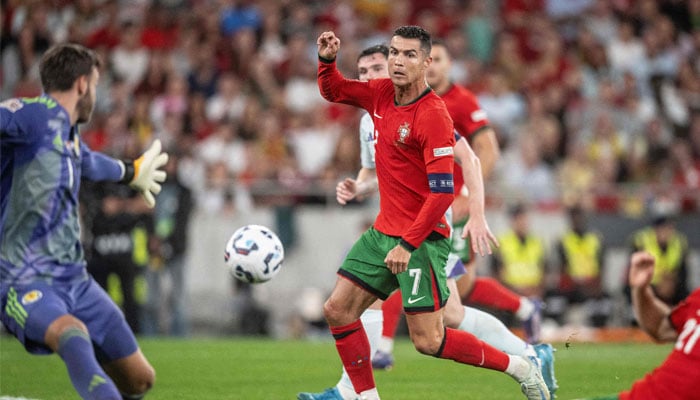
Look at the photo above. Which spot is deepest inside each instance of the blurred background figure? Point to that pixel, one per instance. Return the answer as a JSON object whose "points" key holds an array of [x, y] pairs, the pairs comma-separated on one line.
{"points": [[580, 267], [165, 310], [670, 249], [520, 262], [119, 253]]}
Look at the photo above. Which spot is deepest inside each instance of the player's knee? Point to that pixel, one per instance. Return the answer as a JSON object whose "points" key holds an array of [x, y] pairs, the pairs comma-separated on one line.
{"points": [[427, 344], [333, 313], [142, 382], [452, 316], [62, 325]]}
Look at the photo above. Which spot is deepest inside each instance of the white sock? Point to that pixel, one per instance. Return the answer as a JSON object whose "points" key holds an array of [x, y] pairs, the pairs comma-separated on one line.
{"points": [[371, 394], [518, 368], [386, 344], [488, 328], [372, 321], [525, 310]]}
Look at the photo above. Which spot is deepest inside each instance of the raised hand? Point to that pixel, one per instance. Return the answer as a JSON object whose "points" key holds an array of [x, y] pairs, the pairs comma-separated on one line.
{"points": [[328, 45], [641, 269]]}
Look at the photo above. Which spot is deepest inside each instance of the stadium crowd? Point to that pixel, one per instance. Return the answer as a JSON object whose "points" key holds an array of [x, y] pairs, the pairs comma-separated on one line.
{"points": [[596, 103], [585, 95]]}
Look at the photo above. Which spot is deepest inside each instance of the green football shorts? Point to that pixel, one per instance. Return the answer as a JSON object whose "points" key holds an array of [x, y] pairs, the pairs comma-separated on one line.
{"points": [[423, 285], [459, 245]]}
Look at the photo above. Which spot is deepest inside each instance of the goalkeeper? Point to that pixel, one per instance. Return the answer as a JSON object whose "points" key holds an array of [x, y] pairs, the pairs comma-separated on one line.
{"points": [[47, 299]]}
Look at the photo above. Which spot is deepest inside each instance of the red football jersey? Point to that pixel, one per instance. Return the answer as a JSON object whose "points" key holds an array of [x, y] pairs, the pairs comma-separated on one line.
{"points": [[468, 118], [677, 378], [414, 154]]}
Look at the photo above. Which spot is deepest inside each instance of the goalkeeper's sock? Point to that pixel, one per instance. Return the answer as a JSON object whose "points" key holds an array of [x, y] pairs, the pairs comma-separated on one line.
{"points": [[488, 328], [465, 348], [372, 321], [88, 378], [489, 292], [354, 351]]}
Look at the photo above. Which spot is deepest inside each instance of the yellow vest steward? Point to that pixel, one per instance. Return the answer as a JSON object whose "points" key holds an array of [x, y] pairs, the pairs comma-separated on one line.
{"points": [[666, 262], [581, 254], [522, 262]]}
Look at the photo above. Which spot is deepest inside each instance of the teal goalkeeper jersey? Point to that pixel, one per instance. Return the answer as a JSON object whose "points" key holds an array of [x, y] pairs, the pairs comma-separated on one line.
{"points": [[43, 161]]}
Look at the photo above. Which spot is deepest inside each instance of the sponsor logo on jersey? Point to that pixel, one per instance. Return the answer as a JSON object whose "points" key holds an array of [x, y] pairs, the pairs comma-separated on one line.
{"points": [[404, 130], [11, 104], [443, 151], [31, 297]]}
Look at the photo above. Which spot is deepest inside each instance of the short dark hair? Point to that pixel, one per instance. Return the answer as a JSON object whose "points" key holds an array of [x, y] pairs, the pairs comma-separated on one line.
{"points": [[415, 32], [377, 48], [63, 64]]}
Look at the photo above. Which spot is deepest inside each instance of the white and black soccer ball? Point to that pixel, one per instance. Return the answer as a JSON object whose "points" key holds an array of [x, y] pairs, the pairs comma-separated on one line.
{"points": [[254, 254]]}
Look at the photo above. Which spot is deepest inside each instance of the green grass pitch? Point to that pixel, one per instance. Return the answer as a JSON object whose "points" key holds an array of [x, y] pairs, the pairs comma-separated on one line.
{"points": [[240, 368]]}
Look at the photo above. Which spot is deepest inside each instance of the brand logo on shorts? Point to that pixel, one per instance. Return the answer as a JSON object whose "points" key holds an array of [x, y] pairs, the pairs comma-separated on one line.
{"points": [[412, 301], [31, 297]]}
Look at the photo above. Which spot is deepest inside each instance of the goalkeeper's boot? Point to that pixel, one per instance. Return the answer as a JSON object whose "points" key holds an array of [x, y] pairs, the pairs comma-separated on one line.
{"points": [[328, 394], [382, 360], [545, 352], [533, 386], [532, 324]]}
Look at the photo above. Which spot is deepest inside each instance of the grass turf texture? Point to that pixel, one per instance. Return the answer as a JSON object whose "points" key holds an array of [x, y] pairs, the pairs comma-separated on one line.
{"points": [[239, 368]]}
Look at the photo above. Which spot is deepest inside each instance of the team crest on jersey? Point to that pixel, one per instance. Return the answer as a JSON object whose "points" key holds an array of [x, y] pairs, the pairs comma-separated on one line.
{"points": [[12, 104], [31, 297], [404, 131]]}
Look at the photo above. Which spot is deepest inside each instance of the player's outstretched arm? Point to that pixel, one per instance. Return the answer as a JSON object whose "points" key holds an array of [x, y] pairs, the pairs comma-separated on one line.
{"points": [[477, 227], [651, 313], [145, 174]]}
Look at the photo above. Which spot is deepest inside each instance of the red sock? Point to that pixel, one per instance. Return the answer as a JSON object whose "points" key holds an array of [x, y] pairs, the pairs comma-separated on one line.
{"points": [[490, 292], [465, 348], [391, 309], [353, 348]]}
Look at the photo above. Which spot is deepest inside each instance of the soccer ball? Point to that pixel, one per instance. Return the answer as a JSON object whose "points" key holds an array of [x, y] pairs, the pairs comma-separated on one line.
{"points": [[254, 254]]}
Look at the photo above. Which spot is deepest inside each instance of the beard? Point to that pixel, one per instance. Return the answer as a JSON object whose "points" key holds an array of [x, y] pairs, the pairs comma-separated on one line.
{"points": [[85, 106]]}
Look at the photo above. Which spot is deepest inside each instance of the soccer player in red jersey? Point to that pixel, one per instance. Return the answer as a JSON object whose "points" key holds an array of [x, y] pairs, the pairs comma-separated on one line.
{"points": [[408, 244], [677, 378], [471, 122]]}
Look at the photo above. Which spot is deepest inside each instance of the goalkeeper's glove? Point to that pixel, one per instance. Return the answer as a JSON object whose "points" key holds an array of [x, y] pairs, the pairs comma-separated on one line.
{"points": [[144, 173]]}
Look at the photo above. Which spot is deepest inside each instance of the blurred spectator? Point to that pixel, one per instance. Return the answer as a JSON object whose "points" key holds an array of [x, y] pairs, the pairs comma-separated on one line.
{"points": [[520, 261], [685, 174], [625, 50], [525, 175], [172, 101], [129, 59], [478, 27], [171, 219], [313, 140], [504, 106], [119, 251], [224, 145], [670, 248], [581, 267], [576, 176], [228, 102]]}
